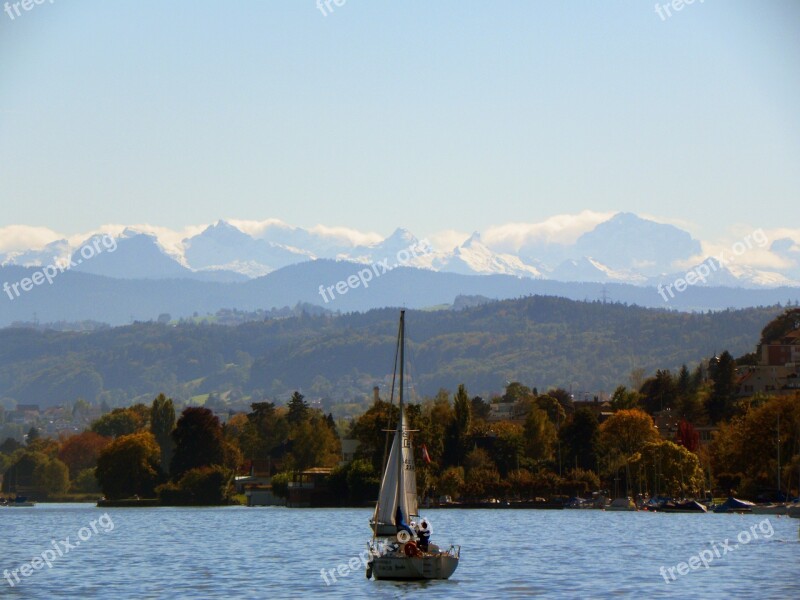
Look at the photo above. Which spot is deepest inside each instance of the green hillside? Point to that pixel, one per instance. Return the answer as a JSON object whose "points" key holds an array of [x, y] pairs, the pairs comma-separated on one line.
{"points": [[542, 341]]}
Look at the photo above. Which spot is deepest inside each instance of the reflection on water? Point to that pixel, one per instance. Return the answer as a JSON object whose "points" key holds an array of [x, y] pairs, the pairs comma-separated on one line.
{"points": [[242, 552]]}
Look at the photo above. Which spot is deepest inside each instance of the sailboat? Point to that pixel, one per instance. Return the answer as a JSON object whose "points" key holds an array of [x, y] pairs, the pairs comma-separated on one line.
{"points": [[397, 550]]}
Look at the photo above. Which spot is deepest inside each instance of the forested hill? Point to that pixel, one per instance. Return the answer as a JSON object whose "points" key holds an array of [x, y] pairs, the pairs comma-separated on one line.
{"points": [[541, 341]]}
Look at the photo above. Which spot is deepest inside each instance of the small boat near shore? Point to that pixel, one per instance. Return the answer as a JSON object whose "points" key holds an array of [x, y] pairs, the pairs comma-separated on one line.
{"points": [[687, 506], [771, 509], [18, 502], [621, 505], [734, 505]]}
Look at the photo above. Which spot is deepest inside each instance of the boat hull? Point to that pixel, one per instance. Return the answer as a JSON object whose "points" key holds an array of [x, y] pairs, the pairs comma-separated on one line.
{"points": [[773, 509], [436, 566]]}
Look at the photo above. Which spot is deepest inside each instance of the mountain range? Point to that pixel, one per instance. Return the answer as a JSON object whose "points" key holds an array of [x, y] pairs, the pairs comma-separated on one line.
{"points": [[135, 276], [625, 248]]}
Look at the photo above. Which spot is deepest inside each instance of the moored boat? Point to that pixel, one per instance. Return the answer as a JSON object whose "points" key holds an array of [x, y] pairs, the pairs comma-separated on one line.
{"points": [[688, 506], [621, 504], [734, 505], [770, 509]]}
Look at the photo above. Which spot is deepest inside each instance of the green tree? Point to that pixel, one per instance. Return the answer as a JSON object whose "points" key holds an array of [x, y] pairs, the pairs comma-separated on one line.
{"points": [[122, 421], [659, 392], [516, 392], [162, 423], [623, 399], [481, 410], [198, 442], [722, 370], [298, 409], [33, 435], [52, 477], [460, 425], [555, 411], [451, 482], [370, 431], [20, 475], [579, 439], [678, 470], [363, 482], [540, 435]]}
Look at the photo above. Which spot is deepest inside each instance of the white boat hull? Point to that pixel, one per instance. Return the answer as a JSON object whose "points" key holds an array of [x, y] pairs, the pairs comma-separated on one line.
{"points": [[434, 566]]}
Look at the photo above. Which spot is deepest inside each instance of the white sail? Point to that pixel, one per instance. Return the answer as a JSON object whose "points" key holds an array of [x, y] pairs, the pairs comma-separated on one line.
{"points": [[399, 472]]}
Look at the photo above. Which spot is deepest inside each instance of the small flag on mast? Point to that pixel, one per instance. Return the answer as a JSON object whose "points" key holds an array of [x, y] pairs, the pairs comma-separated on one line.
{"points": [[425, 456]]}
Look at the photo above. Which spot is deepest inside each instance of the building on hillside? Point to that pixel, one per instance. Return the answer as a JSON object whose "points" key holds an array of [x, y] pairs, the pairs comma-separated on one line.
{"points": [[777, 370], [667, 424]]}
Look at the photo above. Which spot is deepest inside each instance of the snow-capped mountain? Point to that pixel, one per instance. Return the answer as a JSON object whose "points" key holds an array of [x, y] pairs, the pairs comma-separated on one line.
{"points": [[712, 273], [52, 253], [474, 257], [588, 269], [623, 249], [626, 242], [223, 246]]}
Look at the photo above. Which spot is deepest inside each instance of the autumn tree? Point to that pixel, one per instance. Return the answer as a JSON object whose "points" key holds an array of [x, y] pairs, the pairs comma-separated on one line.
{"points": [[745, 451], [313, 445], [80, 452], [622, 436], [129, 466], [677, 470]]}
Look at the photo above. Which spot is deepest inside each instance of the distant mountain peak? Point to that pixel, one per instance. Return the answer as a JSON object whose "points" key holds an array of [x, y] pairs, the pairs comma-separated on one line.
{"points": [[401, 234], [472, 240]]}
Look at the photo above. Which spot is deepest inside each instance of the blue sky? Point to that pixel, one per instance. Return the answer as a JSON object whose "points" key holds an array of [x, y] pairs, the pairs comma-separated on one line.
{"points": [[446, 115]]}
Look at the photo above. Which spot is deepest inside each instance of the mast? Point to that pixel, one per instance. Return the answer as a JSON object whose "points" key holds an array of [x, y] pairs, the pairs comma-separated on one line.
{"points": [[401, 467], [779, 454]]}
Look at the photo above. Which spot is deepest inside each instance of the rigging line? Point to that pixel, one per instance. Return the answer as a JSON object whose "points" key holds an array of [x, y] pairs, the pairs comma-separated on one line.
{"points": [[389, 426]]}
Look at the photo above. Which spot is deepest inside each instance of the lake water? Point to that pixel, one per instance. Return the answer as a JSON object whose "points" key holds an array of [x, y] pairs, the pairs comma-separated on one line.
{"points": [[239, 552]]}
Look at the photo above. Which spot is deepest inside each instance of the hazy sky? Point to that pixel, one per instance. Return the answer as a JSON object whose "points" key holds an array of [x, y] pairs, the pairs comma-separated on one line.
{"points": [[431, 115]]}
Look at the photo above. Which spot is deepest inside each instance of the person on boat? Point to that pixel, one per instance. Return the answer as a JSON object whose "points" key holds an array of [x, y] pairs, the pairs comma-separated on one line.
{"points": [[400, 522], [424, 535]]}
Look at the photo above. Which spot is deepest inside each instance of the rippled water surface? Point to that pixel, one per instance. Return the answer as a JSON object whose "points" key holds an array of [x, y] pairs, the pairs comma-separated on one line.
{"points": [[242, 552]]}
